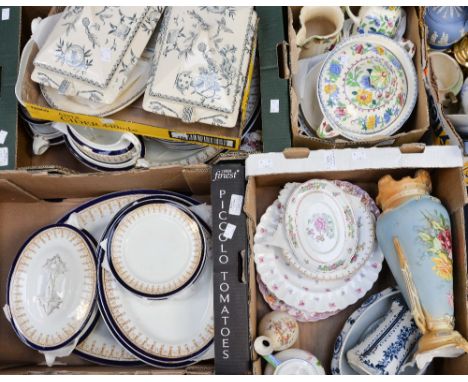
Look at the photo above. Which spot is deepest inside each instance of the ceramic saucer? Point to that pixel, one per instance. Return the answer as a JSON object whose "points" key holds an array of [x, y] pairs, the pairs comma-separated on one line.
{"points": [[367, 87], [366, 317], [52, 287], [154, 249], [296, 354], [320, 227]]}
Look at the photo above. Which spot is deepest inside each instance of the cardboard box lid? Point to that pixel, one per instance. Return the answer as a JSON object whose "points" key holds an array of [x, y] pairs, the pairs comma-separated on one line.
{"points": [[10, 24], [299, 160]]}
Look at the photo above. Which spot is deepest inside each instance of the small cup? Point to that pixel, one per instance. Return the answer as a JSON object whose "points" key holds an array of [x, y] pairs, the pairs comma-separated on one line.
{"points": [[320, 30], [387, 349], [447, 73]]}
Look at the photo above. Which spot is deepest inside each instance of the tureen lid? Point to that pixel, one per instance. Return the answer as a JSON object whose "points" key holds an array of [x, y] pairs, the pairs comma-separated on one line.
{"points": [[392, 192], [52, 287]]}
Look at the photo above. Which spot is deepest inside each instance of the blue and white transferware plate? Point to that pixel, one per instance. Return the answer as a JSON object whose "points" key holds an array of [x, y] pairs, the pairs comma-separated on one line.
{"points": [[52, 287], [367, 87], [358, 325]]}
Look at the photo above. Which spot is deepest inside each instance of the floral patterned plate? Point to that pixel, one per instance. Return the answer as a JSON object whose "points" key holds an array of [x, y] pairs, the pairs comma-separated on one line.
{"points": [[301, 292], [367, 87], [365, 212], [320, 227], [202, 59]]}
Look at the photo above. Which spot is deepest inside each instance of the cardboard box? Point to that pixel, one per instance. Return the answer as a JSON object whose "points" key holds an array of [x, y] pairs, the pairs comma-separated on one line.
{"points": [[133, 118], [30, 201], [10, 24], [444, 132], [412, 131], [267, 174]]}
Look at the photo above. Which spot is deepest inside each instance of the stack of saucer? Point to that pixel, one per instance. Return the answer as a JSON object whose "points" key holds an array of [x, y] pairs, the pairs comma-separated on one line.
{"points": [[315, 248]]}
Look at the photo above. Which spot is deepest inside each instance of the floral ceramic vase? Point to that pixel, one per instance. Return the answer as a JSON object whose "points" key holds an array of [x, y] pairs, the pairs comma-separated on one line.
{"points": [[446, 25], [414, 234]]}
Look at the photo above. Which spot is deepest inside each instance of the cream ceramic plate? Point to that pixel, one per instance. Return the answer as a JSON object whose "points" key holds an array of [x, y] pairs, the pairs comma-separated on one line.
{"points": [[133, 89], [296, 354], [367, 87], [52, 287], [320, 227], [99, 346], [155, 249], [175, 329], [290, 286], [365, 212]]}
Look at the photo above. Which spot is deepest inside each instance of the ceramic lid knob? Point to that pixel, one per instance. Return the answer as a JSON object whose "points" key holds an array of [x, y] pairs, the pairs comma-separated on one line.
{"points": [[393, 192], [280, 328]]}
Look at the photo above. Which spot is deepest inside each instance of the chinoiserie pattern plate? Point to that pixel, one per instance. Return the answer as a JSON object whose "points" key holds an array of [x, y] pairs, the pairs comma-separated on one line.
{"points": [[78, 61], [320, 227], [52, 287], [201, 63], [373, 309], [101, 347], [155, 248], [367, 87], [300, 292]]}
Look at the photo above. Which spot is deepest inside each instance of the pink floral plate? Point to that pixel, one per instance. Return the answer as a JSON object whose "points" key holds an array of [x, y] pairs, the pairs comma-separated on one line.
{"points": [[320, 227]]}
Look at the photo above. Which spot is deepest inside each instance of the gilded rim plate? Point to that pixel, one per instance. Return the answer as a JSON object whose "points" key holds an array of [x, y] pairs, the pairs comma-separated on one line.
{"points": [[52, 287], [367, 87], [320, 227], [155, 249]]}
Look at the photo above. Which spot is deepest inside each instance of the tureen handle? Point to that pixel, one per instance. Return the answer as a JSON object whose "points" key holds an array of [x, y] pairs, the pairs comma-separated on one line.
{"points": [[352, 16], [326, 131], [408, 46], [40, 145]]}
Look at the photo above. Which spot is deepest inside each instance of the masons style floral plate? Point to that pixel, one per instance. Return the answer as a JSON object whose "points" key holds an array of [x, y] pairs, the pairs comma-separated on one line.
{"points": [[154, 249], [99, 346], [358, 325], [320, 227], [298, 291], [201, 61], [52, 288], [367, 87]]}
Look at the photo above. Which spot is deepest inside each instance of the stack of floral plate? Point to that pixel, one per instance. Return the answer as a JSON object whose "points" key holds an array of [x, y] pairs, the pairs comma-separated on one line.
{"points": [[315, 248], [151, 279]]}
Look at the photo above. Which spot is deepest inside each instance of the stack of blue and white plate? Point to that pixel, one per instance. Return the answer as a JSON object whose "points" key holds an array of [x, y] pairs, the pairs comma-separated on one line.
{"points": [[151, 279]]}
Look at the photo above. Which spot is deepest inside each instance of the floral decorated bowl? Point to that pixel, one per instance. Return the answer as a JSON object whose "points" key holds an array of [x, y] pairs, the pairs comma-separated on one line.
{"points": [[367, 87]]}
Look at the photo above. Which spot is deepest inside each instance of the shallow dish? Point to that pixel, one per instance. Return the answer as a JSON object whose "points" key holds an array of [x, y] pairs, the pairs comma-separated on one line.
{"points": [[296, 354], [155, 249], [366, 317], [367, 87], [320, 227], [52, 287]]}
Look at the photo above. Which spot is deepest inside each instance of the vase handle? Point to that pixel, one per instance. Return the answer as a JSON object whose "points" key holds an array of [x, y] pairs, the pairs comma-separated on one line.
{"points": [[415, 304]]}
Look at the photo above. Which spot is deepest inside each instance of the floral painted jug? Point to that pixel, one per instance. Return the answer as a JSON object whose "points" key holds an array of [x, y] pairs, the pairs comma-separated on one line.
{"points": [[380, 20], [414, 234], [446, 25]]}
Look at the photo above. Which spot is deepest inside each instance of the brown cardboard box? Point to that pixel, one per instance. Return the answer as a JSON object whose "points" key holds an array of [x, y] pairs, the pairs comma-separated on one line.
{"points": [[30, 201], [133, 118], [268, 173], [412, 131]]}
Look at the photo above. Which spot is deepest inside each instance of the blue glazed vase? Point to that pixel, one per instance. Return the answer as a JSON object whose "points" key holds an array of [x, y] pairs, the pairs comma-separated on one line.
{"points": [[446, 25], [414, 234]]}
